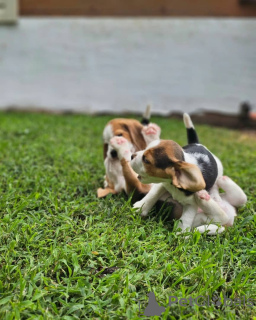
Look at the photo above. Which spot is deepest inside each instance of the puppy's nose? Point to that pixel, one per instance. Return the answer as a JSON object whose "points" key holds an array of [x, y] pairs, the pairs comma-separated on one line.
{"points": [[134, 155], [113, 154]]}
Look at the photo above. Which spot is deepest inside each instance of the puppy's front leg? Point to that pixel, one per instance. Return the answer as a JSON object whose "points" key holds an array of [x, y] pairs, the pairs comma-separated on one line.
{"points": [[150, 199], [151, 132], [122, 147], [188, 215], [132, 183]]}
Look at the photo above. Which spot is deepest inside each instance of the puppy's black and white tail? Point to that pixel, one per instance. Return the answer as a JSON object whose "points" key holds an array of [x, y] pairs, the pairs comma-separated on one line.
{"points": [[191, 132], [146, 116]]}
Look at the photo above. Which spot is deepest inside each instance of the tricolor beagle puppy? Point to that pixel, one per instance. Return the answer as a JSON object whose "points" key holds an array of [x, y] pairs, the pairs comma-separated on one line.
{"points": [[132, 184], [138, 136], [188, 174], [192, 175]]}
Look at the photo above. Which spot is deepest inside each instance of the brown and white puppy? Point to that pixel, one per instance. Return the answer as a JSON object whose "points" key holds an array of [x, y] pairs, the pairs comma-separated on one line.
{"points": [[138, 136], [188, 174], [134, 186]]}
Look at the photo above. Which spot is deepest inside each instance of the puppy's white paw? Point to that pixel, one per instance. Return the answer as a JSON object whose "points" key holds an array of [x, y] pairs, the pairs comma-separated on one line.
{"points": [[203, 194], [140, 205], [151, 132], [122, 147], [211, 229], [222, 181], [221, 229]]}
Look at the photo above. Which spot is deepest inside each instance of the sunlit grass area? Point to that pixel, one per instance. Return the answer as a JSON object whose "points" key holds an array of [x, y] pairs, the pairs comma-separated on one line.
{"points": [[67, 255]]}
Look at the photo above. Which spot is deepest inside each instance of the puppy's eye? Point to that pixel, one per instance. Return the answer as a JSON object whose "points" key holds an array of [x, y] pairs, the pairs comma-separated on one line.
{"points": [[145, 160], [119, 134]]}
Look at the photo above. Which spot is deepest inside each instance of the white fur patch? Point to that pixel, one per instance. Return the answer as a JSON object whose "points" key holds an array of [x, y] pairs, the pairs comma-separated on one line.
{"points": [[195, 157], [147, 112], [203, 157], [108, 133], [187, 121], [153, 144], [190, 158]]}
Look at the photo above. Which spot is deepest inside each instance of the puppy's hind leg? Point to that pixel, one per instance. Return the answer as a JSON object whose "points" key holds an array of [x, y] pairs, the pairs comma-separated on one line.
{"points": [[151, 132], [211, 229], [211, 208], [233, 193], [101, 193]]}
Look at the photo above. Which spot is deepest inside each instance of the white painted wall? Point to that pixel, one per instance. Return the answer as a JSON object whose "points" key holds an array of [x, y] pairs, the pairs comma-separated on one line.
{"points": [[122, 64]]}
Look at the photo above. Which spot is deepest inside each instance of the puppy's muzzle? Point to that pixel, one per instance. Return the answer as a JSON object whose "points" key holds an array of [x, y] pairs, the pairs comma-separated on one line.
{"points": [[113, 154]]}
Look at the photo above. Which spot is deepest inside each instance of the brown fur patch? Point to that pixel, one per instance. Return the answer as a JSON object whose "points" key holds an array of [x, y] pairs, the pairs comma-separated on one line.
{"points": [[133, 184], [130, 129], [167, 153]]}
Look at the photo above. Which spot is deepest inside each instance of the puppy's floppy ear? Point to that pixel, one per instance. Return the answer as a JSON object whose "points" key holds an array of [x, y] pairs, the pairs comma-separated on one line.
{"points": [[105, 150], [136, 136], [186, 176]]}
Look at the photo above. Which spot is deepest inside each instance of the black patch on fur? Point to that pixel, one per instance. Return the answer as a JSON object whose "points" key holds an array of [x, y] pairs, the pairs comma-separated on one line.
{"points": [[192, 136], [162, 161], [144, 122], [113, 154], [209, 169]]}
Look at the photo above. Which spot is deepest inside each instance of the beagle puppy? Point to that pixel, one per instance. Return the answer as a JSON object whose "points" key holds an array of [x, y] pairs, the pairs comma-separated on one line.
{"points": [[193, 176], [132, 184], [138, 136]]}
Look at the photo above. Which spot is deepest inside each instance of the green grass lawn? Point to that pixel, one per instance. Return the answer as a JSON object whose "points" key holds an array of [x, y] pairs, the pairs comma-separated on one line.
{"points": [[67, 255]]}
